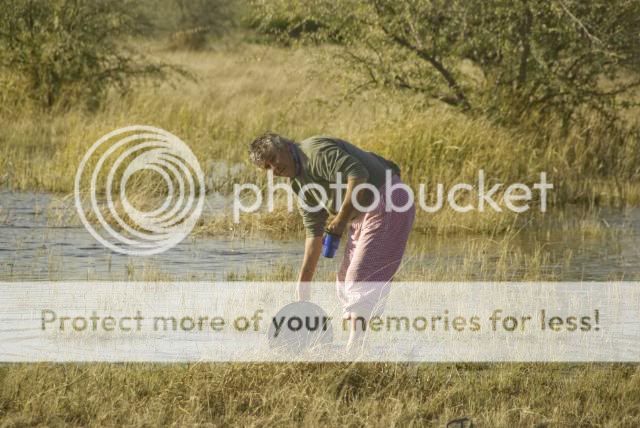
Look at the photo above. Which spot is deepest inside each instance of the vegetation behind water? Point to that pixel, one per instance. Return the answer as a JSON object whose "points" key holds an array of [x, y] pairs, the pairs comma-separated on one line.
{"points": [[242, 91], [220, 94]]}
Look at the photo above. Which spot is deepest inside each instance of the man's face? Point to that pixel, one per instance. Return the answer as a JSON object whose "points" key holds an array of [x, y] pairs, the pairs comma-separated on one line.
{"points": [[280, 162]]}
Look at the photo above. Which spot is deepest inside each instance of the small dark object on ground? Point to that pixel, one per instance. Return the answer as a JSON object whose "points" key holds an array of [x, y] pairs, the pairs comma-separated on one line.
{"points": [[460, 423]]}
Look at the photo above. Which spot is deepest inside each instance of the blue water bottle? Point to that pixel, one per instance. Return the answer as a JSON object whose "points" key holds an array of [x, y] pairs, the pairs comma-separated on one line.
{"points": [[330, 244]]}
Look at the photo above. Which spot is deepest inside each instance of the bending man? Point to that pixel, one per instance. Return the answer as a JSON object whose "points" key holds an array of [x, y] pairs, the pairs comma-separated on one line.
{"points": [[378, 232]]}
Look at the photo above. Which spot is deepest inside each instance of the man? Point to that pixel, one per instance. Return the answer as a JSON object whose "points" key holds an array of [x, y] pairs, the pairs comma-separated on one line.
{"points": [[377, 234]]}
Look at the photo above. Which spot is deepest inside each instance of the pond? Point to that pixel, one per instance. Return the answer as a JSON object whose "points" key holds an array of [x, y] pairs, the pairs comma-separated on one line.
{"points": [[34, 248]]}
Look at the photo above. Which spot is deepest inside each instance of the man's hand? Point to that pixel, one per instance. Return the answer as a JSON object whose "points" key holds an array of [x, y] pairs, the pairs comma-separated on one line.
{"points": [[337, 226], [339, 222]]}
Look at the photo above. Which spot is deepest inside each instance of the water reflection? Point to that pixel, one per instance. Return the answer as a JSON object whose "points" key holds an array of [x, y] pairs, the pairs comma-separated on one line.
{"points": [[34, 247]]}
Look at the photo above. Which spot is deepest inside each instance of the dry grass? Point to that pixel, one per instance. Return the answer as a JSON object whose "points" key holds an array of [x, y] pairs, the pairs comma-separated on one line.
{"points": [[496, 395], [243, 90]]}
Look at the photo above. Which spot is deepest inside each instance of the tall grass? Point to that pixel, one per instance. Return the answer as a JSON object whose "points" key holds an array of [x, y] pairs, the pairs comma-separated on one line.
{"points": [[243, 90], [203, 394]]}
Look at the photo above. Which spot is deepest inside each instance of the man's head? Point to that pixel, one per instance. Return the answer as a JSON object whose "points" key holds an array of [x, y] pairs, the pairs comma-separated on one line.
{"points": [[271, 151]]}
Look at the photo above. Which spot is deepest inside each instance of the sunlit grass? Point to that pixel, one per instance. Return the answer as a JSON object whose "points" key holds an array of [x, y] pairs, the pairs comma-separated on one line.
{"points": [[244, 90], [496, 395], [500, 395]]}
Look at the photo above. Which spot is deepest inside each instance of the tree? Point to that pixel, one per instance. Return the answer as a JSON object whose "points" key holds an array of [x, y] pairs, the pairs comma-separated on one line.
{"points": [[191, 23], [504, 58], [69, 51]]}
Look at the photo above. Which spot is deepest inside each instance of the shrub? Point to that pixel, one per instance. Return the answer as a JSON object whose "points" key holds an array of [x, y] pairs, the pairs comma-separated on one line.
{"points": [[563, 59], [64, 52]]}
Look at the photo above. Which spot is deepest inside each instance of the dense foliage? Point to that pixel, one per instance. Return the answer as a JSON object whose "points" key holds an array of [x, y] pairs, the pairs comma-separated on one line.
{"points": [[191, 23], [63, 52], [506, 58]]}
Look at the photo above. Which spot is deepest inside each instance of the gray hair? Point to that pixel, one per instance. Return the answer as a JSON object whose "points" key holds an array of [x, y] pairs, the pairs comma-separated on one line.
{"points": [[265, 144]]}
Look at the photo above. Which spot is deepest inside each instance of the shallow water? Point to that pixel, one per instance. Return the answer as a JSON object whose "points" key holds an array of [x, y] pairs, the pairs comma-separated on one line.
{"points": [[610, 251], [32, 247]]}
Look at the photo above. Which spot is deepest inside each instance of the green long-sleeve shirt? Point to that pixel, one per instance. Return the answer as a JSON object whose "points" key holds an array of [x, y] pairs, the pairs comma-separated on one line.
{"points": [[321, 159]]}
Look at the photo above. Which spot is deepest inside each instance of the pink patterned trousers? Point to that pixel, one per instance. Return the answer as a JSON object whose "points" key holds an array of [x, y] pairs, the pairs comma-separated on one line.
{"points": [[375, 246]]}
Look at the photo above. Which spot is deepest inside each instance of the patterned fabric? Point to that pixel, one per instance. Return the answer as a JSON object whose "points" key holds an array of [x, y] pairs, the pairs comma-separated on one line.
{"points": [[373, 253]]}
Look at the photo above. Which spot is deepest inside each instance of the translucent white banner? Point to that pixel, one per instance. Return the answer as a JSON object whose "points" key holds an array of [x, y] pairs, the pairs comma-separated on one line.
{"points": [[255, 321]]}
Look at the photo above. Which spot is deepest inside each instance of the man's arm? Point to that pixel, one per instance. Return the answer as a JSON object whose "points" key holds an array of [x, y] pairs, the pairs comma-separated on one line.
{"points": [[312, 251], [339, 222]]}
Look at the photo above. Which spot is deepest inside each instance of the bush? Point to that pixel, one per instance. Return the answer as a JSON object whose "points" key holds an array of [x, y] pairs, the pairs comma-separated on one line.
{"points": [[190, 23], [64, 52], [285, 22], [561, 59]]}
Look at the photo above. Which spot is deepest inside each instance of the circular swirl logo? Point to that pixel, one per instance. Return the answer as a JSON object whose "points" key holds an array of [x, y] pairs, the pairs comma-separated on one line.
{"points": [[141, 160]]}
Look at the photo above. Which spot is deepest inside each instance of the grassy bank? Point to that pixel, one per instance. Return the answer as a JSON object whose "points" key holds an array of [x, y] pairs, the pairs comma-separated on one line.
{"points": [[503, 395], [242, 90], [202, 394]]}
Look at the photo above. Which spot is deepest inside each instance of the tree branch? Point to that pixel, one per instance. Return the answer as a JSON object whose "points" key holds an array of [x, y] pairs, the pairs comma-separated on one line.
{"points": [[577, 21], [459, 96]]}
